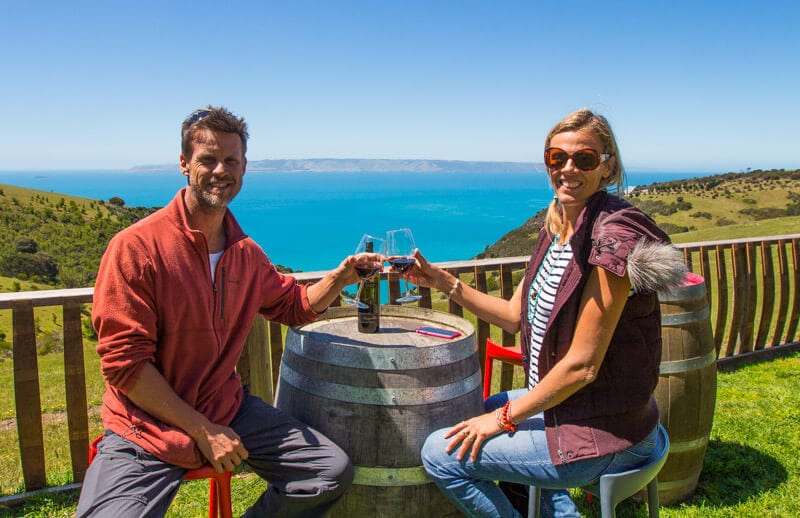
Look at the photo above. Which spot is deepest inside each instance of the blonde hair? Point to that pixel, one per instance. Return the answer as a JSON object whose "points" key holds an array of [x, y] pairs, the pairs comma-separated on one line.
{"points": [[586, 120]]}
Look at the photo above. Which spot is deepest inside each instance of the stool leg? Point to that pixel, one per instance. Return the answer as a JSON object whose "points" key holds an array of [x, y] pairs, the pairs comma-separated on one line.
{"points": [[224, 494], [608, 508], [652, 498], [213, 491], [534, 496], [487, 377]]}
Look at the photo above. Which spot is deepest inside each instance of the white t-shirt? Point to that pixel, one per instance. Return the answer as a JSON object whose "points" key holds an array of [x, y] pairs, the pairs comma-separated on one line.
{"points": [[214, 259]]}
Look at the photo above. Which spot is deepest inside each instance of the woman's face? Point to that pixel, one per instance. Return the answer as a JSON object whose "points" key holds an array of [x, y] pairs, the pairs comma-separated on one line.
{"points": [[574, 186]]}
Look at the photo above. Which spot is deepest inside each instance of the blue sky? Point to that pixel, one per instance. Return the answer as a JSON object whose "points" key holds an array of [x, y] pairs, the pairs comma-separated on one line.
{"points": [[688, 86]]}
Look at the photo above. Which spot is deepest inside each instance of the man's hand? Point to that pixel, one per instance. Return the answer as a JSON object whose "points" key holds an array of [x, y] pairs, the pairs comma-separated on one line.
{"points": [[321, 294], [221, 446]]}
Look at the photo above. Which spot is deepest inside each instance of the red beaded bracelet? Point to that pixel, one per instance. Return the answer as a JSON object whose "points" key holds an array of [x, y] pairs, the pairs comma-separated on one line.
{"points": [[508, 424]]}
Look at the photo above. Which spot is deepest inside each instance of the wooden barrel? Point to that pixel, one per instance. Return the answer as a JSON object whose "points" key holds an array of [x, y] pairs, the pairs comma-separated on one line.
{"points": [[687, 386], [378, 396]]}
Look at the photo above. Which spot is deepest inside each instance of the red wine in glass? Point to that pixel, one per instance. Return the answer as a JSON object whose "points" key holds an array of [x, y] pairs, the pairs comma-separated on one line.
{"points": [[403, 264], [366, 268], [400, 248], [365, 272]]}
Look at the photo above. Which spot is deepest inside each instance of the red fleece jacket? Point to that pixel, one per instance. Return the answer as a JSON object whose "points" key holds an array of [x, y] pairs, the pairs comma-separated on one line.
{"points": [[154, 301]]}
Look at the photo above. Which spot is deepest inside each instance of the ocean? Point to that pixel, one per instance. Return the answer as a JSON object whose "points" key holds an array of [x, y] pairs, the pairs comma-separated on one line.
{"points": [[311, 221]]}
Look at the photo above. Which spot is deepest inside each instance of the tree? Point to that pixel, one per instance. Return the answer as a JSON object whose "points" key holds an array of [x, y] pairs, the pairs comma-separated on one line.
{"points": [[26, 245], [26, 265], [116, 200]]}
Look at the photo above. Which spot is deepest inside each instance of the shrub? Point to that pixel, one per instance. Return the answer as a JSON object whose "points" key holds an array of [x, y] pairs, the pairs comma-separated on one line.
{"points": [[764, 213], [654, 207], [492, 282], [793, 207], [27, 266], [87, 327], [51, 342], [26, 245], [671, 228]]}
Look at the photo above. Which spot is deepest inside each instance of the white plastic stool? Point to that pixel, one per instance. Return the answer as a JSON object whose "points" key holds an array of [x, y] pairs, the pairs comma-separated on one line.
{"points": [[614, 488]]}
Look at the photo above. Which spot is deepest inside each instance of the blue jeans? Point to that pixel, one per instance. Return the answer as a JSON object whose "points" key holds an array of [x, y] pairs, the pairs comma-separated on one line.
{"points": [[522, 458]]}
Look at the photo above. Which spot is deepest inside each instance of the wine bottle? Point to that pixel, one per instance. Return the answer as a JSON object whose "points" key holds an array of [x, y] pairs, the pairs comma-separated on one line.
{"points": [[369, 318]]}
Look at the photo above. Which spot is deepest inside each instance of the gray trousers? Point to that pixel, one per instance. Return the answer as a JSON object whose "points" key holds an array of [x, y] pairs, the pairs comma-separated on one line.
{"points": [[306, 472]]}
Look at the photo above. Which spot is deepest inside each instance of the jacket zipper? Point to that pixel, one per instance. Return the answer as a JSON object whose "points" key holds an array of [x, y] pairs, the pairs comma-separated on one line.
{"points": [[558, 434], [560, 452], [222, 296]]}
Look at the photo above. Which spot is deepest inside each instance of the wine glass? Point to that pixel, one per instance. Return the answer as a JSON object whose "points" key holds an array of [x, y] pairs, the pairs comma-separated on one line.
{"points": [[400, 249], [366, 268]]}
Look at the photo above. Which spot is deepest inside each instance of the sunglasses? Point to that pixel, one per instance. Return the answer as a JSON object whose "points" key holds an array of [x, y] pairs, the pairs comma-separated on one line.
{"points": [[196, 116], [584, 159]]}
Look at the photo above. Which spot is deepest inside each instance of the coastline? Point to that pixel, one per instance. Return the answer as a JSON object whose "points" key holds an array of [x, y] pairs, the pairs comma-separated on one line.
{"points": [[310, 221]]}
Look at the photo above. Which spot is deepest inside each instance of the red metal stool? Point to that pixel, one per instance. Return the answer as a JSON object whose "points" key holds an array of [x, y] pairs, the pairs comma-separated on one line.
{"points": [[511, 355], [219, 491]]}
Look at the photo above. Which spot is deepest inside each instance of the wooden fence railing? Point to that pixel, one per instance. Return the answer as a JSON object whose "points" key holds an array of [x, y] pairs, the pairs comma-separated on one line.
{"points": [[752, 289], [752, 284]]}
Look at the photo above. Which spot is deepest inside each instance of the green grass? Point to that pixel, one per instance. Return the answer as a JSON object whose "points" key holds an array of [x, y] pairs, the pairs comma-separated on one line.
{"points": [[51, 382], [751, 468], [767, 227], [47, 318]]}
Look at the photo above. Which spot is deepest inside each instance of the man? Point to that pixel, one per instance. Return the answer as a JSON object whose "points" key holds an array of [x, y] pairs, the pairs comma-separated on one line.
{"points": [[175, 296]]}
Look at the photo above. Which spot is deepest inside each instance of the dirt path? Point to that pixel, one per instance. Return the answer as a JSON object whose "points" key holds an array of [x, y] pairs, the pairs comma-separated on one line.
{"points": [[49, 418]]}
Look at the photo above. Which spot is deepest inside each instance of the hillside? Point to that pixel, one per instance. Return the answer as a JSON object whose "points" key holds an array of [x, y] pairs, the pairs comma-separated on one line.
{"points": [[755, 203], [56, 239]]}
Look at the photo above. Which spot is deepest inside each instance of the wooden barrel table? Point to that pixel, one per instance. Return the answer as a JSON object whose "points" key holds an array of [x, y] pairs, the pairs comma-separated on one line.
{"points": [[687, 386], [378, 396]]}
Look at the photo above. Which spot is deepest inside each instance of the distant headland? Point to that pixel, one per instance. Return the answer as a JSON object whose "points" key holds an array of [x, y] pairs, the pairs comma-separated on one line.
{"points": [[372, 165]]}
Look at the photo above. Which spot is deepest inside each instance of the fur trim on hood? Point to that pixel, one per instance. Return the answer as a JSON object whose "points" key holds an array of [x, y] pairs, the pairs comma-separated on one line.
{"points": [[654, 266]]}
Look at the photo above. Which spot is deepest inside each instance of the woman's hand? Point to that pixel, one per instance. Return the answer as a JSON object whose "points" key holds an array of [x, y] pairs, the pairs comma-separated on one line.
{"points": [[425, 274], [471, 434]]}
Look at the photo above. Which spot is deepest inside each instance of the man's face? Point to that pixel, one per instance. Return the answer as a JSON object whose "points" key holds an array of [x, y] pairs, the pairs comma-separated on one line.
{"points": [[215, 169]]}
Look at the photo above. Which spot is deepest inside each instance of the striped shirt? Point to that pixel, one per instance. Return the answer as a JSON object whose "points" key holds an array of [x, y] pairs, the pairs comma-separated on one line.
{"points": [[541, 297]]}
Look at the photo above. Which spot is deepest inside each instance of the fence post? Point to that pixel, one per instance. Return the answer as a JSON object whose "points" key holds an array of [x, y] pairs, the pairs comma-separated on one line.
{"points": [[26, 395]]}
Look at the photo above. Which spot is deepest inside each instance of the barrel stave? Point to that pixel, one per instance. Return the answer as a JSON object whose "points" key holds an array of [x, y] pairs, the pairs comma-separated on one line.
{"points": [[378, 397]]}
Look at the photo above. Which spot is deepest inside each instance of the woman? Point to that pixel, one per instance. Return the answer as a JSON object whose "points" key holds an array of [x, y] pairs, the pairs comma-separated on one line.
{"points": [[589, 323]]}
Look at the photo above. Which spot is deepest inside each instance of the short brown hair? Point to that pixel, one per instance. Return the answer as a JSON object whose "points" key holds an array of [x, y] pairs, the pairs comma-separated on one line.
{"points": [[214, 118]]}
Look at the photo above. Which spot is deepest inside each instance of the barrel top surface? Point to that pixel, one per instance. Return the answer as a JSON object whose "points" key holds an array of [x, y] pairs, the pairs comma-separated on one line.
{"points": [[338, 326], [335, 339]]}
